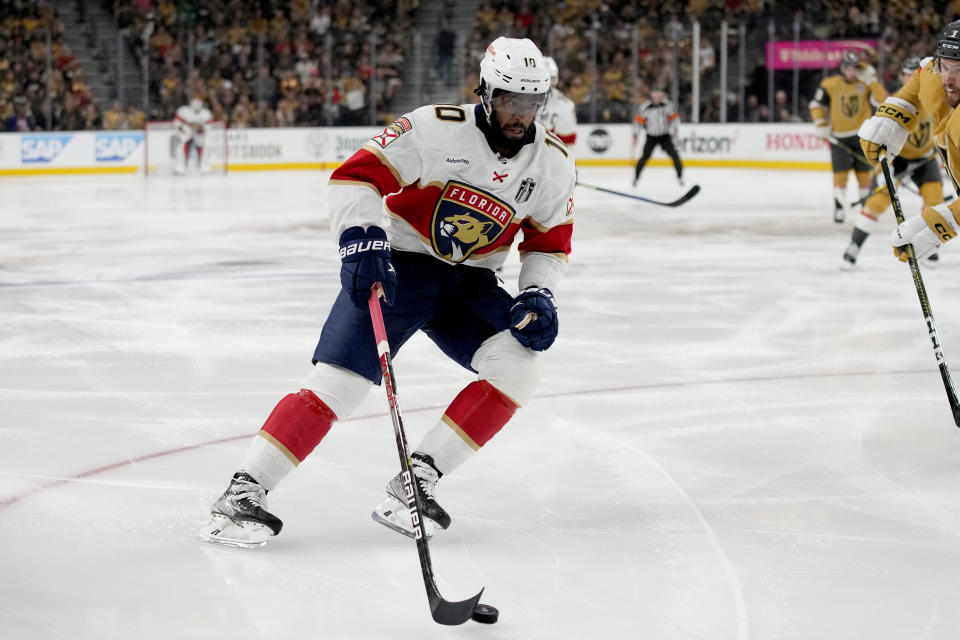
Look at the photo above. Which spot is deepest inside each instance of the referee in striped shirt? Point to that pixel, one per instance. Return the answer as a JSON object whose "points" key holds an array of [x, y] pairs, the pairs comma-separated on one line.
{"points": [[660, 120]]}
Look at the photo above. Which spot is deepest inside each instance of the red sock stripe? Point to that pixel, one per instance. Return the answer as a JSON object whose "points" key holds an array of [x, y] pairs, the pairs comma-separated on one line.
{"points": [[299, 422], [479, 412]]}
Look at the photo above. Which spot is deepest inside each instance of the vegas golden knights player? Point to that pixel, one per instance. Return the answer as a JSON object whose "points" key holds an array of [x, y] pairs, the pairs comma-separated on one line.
{"points": [[918, 160], [842, 103], [935, 89]]}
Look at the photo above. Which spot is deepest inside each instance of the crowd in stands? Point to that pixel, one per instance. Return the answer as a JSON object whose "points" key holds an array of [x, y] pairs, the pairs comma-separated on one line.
{"points": [[271, 63], [318, 62]]}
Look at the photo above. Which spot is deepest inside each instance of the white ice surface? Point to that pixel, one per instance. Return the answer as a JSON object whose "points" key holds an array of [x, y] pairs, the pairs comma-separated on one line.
{"points": [[732, 439]]}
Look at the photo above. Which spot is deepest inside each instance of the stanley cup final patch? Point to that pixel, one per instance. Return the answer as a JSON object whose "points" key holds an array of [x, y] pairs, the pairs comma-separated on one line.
{"points": [[525, 190], [392, 131], [467, 219]]}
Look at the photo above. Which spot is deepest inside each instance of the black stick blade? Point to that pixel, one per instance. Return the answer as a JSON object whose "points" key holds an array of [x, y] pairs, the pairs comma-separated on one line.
{"points": [[452, 613], [694, 190]]}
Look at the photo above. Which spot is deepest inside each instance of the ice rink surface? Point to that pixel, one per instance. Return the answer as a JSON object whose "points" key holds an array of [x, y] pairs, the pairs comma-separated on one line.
{"points": [[732, 438]]}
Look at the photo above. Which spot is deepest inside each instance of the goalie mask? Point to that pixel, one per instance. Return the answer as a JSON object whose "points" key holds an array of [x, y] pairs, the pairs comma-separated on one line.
{"points": [[513, 79]]}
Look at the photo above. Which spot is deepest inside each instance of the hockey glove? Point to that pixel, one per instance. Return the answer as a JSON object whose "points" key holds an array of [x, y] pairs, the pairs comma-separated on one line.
{"points": [[823, 130], [925, 232], [539, 330], [366, 259], [889, 128]]}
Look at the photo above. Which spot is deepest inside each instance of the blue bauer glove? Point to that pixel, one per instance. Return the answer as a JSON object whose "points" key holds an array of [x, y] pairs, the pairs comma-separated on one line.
{"points": [[533, 318], [366, 259]]}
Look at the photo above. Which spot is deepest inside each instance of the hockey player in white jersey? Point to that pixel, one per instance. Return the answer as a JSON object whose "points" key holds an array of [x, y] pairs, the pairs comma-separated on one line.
{"points": [[559, 115], [430, 208], [190, 123]]}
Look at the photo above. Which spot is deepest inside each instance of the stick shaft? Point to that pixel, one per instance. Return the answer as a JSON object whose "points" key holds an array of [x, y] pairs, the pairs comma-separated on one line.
{"points": [[922, 295], [442, 610]]}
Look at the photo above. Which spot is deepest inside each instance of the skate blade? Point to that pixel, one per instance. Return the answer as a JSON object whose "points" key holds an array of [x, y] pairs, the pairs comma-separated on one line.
{"points": [[224, 531], [393, 514]]}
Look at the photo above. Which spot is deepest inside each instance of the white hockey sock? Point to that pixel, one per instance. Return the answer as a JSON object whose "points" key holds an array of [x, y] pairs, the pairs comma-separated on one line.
{"points": [[267, 464], [865, 223], [446, 447]]}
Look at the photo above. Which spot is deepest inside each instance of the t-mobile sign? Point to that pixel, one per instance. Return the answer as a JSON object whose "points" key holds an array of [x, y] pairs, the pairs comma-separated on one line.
{"points": [[812, 54]]}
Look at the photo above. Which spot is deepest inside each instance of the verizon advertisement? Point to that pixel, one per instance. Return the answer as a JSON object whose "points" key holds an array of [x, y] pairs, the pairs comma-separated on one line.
{"points": [[771, 146]]}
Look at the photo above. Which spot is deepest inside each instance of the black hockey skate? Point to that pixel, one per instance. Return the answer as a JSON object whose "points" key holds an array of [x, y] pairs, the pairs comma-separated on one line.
{"points": [[393, 511], [850, 257], [239, 518]]}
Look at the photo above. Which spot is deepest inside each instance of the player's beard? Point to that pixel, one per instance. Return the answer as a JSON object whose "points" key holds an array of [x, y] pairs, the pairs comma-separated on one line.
{"points": [[500, 142], [952, 94]]}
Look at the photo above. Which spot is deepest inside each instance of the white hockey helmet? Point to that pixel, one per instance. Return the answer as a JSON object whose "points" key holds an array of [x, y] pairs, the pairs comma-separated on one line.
{"points": [[196, 104], [553, 69], [514, 67]]}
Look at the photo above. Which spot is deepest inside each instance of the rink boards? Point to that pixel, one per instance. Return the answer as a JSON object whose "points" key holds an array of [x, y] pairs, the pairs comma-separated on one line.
{"points": [[762, 146]]}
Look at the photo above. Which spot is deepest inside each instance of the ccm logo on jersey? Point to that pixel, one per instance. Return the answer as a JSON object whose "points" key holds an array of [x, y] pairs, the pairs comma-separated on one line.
{"points": [[392, 131], [364, 245]]}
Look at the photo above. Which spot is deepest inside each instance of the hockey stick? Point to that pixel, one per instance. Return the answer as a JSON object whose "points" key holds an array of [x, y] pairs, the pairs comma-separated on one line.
{"points": [[835, 142], [922, 294], [910, 168], [443, 611], [694, 190]]}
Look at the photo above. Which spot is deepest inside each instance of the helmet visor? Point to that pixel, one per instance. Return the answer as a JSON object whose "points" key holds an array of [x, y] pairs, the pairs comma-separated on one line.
{"points": [[518, 104]]}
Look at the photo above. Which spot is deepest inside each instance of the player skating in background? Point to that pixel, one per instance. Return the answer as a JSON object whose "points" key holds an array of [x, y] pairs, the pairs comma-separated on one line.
{"points": [[935, 89], [657, 118], [190, 122], [842, 102], [918, 160], [463, 183], [559, 115]]}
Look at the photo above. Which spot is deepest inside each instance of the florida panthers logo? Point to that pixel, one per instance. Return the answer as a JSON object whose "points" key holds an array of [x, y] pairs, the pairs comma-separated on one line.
{"points": [[850, 105], [466, 220]]}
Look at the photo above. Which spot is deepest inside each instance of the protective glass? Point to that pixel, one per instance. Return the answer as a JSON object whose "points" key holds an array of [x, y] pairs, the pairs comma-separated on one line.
{"points": [[519, 104]]}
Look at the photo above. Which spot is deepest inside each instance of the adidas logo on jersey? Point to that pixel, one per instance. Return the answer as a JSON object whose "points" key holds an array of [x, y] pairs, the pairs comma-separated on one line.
{"points": [[458, 161]]}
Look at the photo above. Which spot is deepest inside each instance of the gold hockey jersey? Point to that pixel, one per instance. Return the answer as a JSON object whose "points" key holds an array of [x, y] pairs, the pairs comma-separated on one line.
{"points": [[919, 143], [925, 92], [846, 104]]}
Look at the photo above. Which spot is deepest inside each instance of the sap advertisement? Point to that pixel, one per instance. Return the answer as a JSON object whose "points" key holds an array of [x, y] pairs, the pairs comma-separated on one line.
{"points": [[771, 146], [71, 152]]}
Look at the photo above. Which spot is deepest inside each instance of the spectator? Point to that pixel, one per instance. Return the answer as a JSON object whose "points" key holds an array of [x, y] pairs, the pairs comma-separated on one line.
{"points": [[445, 43], [21, 119], [115, 117], [135, 118]]}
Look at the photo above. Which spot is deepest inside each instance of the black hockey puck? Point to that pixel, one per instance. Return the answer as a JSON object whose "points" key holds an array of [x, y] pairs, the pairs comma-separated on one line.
{"points": [[486, 614]]}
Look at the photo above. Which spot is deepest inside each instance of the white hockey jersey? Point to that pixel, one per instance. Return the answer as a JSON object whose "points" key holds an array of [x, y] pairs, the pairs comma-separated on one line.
{"points": [[559, 116], [449, 195], [189, 122]]}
